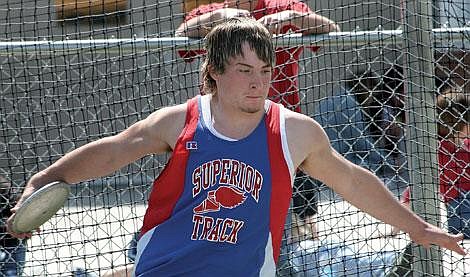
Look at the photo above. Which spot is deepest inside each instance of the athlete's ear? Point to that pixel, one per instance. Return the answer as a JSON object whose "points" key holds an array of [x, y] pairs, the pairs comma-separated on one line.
{"points": [[212, 72]]}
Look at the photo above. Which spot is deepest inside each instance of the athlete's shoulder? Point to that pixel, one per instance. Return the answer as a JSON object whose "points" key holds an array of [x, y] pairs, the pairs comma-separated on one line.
{"points": [[304, 135], [165, 115], [167, 123], [297, 118], [292, 119]]}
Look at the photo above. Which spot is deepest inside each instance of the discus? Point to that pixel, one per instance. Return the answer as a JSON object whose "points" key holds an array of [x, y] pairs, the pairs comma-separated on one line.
{"points": [[39, 207]]}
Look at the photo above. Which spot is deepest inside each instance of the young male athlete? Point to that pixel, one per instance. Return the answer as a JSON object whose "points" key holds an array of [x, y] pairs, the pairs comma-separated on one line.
{"points": [[279, 17], [218, 208]]}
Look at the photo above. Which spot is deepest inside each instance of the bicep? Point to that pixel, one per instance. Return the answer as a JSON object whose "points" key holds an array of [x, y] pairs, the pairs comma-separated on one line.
{"points": [[329, 166], [114, 152], [312, 152], [96, 159], [153, 135], [323, 162]]}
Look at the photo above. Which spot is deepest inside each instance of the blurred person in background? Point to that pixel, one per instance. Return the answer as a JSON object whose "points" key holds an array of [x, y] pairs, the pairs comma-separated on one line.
{"points": [[454, 159], [13, 250], [381, 99]]}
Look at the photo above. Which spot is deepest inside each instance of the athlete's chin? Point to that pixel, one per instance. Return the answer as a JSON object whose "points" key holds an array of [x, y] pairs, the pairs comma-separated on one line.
{"points": [[251, 110], [254, 108], [255, 105]]}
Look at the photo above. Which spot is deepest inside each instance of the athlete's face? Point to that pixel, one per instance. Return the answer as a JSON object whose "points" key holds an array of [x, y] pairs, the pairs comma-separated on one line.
{"points": [[245, 82]]}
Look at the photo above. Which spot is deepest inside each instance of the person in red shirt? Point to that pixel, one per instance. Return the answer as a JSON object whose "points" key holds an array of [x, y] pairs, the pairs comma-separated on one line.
{"points": [[454, 160], [12, 250]]}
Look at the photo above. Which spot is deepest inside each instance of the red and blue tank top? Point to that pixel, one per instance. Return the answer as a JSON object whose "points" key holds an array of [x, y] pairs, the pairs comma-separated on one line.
{"points": [[219, 206]]}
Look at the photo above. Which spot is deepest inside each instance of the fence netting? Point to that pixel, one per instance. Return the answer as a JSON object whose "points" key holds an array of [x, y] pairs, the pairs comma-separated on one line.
{"points": [[74, 71]]}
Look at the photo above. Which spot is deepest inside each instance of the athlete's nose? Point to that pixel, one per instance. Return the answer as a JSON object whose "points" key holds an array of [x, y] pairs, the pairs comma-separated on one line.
{"points": [[256, 80]]}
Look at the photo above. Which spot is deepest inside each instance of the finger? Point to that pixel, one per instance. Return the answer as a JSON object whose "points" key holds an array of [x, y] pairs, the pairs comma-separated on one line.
{"points": [[267, 26], [459, 249], [13, 234], [20, 236], [272, 29], [452, 242], [17, 235], [26, 235]]}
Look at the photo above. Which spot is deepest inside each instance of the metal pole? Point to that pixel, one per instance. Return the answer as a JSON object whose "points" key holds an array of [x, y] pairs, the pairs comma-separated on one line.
{"points": [[422, 130], [334, 39]]}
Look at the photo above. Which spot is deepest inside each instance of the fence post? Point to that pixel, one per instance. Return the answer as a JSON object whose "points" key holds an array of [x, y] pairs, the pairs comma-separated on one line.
{"points": [[422, 130]]}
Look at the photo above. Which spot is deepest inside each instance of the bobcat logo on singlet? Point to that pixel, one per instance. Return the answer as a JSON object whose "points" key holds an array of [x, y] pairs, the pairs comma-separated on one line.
{"points": [[236, 181]]}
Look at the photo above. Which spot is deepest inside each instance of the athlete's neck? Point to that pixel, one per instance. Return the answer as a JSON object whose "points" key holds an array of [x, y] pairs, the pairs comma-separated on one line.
{"points": [[232, 122]]}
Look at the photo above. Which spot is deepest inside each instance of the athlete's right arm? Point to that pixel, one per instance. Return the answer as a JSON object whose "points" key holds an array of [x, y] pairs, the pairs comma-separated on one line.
{"points": [[154, 135]]}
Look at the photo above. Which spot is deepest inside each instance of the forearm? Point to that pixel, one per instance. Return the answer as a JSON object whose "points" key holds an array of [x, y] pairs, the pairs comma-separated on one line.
{"points": [[359, 186], [96, 159], [370, 195], [312, 23]]}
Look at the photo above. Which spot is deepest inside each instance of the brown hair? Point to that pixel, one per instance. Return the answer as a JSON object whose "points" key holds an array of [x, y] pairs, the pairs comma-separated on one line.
{"points": [[452, 111], [225, 41]]}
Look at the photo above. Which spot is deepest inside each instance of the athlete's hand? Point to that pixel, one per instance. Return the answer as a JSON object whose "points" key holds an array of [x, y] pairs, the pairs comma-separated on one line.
{"points": [[13, 234], [432, 235], [29, 189]]}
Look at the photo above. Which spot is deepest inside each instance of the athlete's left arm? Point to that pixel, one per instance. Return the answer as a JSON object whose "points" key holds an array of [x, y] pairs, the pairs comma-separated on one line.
{"points": [[312, 152]]}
